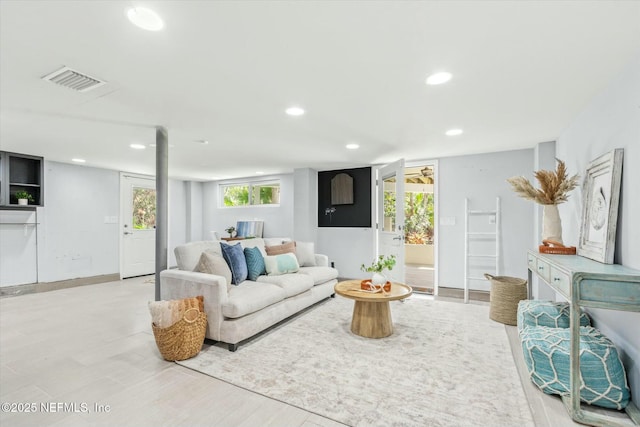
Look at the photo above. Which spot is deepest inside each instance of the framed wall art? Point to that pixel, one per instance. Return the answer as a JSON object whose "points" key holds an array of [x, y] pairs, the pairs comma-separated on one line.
{"points": [[600, 197]]}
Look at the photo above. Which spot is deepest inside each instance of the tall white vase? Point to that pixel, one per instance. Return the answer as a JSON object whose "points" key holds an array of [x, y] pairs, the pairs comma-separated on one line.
{"points": [[551, 225]]}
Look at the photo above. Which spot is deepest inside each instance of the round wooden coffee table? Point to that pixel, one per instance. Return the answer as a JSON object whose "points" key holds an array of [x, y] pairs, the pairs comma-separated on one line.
{"points": [[371, 312]]}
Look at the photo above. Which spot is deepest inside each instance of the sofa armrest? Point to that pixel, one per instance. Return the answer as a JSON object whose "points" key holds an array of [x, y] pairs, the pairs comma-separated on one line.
{"points": [[322, 260], [178, 284]]}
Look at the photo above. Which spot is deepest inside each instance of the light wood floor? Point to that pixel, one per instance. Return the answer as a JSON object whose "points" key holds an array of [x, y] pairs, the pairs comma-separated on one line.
{"points": [[93, 345]]}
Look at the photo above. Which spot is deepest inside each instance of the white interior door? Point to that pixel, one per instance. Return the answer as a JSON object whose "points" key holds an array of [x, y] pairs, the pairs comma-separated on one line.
{"points": [[391, 216], [138, 225]]}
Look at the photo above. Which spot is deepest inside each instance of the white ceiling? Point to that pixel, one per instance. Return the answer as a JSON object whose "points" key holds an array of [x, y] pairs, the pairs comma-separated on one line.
{"points": [[225, 71]]}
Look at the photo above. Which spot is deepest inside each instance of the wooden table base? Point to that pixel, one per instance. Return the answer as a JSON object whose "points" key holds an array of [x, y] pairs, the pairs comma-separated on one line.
{"points": [[371, 319]]}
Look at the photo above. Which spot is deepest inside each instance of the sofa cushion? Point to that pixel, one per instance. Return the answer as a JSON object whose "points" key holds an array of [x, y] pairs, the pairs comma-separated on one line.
{"points": [[254, 243], [305, 254], [249, 297], [319, 274], [234, 256], [285, 248], [281, 264], [212, 263], [292, 284], [602, 375], [255, 263], [188, 255], [546, 313]]}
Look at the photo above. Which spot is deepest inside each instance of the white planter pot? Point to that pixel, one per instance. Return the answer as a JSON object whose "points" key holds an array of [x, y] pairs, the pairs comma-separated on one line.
{"points": [[378, 279], [23, 202], [551, 225]]}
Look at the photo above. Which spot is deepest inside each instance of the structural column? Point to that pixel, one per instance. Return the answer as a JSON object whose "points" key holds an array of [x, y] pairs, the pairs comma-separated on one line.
{"points": [[162, 202]]}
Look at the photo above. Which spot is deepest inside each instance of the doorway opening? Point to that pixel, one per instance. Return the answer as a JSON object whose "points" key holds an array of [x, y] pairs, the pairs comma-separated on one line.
{"points": [[419, 228]]}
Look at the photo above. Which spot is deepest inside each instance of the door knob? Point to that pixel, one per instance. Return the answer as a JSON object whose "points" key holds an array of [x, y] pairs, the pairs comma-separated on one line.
{"points": [[127, 232]]}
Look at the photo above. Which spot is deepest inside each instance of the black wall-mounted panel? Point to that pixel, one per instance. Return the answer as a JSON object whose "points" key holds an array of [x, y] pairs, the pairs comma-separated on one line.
{"points": [[357, 214]]}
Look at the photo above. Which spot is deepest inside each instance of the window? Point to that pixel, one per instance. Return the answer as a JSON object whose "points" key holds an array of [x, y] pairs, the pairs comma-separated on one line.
{"points": [[144, 208], [262, 193]]}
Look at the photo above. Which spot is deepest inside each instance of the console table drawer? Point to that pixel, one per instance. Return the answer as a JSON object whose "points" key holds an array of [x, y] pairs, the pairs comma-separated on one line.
{"points": [[560, 281], [531, 261], [542, 268]]}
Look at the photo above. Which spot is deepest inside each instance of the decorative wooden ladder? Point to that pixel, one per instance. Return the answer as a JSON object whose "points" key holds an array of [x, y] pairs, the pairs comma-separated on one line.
{"points": [[485, 236]]}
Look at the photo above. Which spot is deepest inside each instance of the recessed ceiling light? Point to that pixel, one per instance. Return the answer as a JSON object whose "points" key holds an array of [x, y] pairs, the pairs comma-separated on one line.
{"points": [[138, 146], [145, 18], [438, 78], [78, 160], [294, 111], [352, 146], [454, 132], [259, 173], [202, 141]]}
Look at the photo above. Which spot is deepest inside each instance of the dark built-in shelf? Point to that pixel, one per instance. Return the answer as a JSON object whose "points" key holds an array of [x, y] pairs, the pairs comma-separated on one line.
{"points": [[21, 172]]}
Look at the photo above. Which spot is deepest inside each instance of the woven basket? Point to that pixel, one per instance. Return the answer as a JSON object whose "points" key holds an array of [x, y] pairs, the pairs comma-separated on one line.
{"points": [[183, 339], [506, 293]]}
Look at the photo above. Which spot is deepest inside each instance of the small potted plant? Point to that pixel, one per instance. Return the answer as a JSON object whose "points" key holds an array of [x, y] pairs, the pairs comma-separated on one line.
{"points": [[230, 230], [378, 266], [23, 198]]}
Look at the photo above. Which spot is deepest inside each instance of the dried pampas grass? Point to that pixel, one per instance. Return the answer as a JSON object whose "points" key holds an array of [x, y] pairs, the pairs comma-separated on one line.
{"points": [[554, 186]]}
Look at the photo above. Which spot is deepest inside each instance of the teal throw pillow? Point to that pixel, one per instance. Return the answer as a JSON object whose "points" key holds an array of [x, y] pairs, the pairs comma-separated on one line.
{"points": [[281, 264], [255, 263], [234, 256], [603, 378]]}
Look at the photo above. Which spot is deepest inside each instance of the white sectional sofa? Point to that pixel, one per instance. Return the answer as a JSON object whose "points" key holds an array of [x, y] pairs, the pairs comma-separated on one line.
{"points": [[237, 312]]}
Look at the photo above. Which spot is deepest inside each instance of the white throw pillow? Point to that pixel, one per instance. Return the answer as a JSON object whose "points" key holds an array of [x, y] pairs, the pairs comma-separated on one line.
{"points": [[281, 264], [305, 253]]}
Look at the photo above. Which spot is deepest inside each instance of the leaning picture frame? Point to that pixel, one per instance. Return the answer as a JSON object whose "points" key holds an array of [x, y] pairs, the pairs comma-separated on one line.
{"points": [[600, 199]]}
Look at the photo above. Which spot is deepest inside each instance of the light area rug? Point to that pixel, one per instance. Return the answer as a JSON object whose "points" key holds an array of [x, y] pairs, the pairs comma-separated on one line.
{"points": [[446, 364]]}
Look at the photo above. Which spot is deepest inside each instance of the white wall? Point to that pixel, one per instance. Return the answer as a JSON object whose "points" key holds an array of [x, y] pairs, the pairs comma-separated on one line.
{"points": [[194, 210], [178, 217], [18, 250], [611, 120], [305, 204], [74, 241], [544, 159], [482, 178], [278, 220]]}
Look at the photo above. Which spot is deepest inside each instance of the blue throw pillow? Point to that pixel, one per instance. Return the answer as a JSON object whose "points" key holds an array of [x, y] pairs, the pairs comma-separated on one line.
{"points": [[234, 256], [255, 263]]}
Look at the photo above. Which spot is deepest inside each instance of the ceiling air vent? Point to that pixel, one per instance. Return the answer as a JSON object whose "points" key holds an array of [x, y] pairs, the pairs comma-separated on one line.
{"points": [[73, 79]]}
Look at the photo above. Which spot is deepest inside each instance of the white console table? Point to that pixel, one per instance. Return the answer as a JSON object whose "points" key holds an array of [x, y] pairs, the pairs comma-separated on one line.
{"points": [[587, 283]]}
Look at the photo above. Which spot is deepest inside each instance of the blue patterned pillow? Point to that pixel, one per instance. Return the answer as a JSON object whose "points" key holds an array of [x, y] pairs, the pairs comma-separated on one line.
{"points": [[255, 263], [234, 256], [546, 313], [603, 379]]}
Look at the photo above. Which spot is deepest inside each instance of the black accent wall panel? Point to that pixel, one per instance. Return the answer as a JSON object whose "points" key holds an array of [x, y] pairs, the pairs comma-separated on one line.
{"points": [[357, 214]]}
